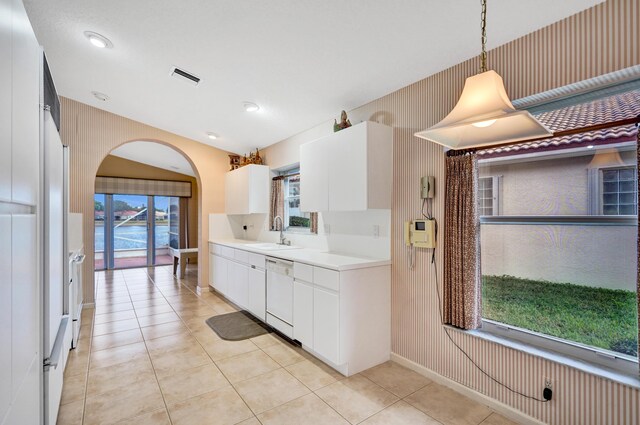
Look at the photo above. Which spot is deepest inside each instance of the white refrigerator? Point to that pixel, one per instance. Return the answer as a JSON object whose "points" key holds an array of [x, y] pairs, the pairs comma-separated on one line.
{"points": [[57, 324]]}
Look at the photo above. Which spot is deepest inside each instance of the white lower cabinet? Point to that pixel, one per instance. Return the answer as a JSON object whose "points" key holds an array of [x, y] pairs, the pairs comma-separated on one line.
{"points": [[257, 292], [326, 324], [303, 313], [219, 280], [240, 277], [238, 283], [341, 317]]}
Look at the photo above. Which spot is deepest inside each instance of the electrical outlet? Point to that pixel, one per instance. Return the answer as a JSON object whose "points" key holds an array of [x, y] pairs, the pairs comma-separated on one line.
{"points": [[547, 392], [376, 231], [327, 228]]}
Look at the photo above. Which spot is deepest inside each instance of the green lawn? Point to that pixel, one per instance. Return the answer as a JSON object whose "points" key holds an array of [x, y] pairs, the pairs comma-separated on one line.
{"points": [[598, 317]]}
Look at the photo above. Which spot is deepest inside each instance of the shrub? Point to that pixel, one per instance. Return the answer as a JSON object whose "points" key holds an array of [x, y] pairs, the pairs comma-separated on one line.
{"points": [[296, 221]]}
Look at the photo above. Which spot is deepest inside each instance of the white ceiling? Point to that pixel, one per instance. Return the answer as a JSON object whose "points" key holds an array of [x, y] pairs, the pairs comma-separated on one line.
{"points": [[302, 61], [156, 155]]}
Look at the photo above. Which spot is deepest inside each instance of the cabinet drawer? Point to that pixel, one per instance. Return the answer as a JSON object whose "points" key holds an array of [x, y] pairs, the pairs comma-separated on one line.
{"points": [[241, 256], [256, 260], [326, 278], [225, 251], [303, 272], [216, 249]]}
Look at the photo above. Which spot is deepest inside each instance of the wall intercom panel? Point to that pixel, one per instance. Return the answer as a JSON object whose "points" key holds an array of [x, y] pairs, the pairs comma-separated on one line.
{"points": [[420, 233]]}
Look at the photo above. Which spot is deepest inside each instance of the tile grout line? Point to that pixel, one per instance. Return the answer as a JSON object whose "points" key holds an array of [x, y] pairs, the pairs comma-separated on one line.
{"points": [[144, 341]]}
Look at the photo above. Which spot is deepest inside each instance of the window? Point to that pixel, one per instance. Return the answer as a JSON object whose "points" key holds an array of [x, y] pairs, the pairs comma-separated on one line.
{"points": [[488, 196], [559, 258], [295, 219], [619, 191]]}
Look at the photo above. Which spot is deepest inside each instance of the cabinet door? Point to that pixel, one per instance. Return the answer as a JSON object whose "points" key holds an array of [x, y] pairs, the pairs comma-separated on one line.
{"points": [[314, 184], [257, 293], [5, 314], [220, 274], [230, 198], [258, 189], [212, 260], [237, 191], [348, 170], [25, 316], [239, 283], [326, 324], [5, 109], [25, 127], [303, 313]]}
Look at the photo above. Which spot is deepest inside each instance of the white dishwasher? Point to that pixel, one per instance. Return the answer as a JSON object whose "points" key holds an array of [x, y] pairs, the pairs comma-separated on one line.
{"points": [[280, 295]]}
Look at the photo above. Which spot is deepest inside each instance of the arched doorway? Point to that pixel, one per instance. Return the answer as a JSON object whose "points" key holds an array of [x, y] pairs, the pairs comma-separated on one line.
{"points": [[146, 201]]}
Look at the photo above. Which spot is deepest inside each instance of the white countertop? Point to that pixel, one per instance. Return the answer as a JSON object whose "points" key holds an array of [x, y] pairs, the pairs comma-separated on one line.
{"points": [[312, 257]]}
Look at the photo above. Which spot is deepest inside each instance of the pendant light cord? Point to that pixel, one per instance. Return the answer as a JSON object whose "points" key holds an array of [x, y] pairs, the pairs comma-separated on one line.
{"points": [[483, 38]]}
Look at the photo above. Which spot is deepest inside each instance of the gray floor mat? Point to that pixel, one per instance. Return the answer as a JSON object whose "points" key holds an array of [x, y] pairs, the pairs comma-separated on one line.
{"points": [[237, 326]]}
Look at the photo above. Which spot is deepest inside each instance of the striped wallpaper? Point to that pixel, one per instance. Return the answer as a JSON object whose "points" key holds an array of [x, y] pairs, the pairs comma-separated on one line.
{"points": [[92, 133], [602, 39]]}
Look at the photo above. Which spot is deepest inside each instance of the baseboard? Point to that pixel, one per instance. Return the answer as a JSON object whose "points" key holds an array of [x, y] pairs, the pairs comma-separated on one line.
{"points": [[198, 290], [503, 409]]}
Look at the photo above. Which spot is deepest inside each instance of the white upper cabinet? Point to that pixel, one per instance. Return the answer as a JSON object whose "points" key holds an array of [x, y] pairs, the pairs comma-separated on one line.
{"points": [[351, 170], [247, 190], [314, 164], [25, 100]]}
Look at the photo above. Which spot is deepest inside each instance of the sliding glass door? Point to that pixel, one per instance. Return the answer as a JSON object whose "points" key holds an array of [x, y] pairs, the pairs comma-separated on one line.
{"points": [[130, 231], [162, 228], [133, 230]]}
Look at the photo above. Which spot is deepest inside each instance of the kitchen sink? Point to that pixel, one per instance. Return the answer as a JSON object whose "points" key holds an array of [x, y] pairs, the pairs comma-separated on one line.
{"points": [[269, 246]]}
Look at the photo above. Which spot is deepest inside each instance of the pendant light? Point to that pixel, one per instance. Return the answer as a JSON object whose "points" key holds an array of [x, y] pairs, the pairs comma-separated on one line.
{"points": [[484, 114]]}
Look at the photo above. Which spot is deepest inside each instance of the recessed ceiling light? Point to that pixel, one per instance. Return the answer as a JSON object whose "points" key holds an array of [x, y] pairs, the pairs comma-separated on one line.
{"points": [[100, 96], [251, 107], [98, 40], [212, 136]]}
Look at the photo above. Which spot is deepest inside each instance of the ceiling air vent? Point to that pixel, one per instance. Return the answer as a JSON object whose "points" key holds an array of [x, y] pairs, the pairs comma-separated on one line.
{"points": [[184, 76]]}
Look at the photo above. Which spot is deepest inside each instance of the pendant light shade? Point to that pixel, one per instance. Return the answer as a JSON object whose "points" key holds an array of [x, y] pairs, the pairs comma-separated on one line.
{"points": [[484, 116]]}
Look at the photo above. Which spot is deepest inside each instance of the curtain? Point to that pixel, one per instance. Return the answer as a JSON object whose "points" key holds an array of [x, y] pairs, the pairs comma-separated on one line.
{"points": [[462, 281], [276, 207], [184, 222], [314, 222]]}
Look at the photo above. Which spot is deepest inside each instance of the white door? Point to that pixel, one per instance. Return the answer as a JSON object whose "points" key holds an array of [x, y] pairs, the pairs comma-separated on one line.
{"points": [[314, 183], [257, 292], [326, 324], [303, 313]]}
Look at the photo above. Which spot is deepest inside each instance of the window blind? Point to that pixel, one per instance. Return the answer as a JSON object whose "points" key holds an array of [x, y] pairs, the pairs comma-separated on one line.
{"points": [[126, 186]]}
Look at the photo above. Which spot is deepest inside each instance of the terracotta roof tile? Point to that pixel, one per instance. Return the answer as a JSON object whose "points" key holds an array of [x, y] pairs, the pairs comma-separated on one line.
{"points": [[608, 109]]}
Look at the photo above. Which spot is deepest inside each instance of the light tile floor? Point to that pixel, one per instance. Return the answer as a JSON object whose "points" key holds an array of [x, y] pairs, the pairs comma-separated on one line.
{"points": [[146, 357]]}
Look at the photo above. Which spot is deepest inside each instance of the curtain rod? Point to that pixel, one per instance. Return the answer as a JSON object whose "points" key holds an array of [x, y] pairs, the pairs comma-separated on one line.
{"points": [[285, 176], [562, 133]]}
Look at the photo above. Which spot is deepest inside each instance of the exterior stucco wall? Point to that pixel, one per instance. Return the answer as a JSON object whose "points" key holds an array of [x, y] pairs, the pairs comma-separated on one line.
{"points": [[591, 255]]}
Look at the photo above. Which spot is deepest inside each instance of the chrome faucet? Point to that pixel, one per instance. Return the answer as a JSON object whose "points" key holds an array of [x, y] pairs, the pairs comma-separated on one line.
{"points": [[283, 240]]}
